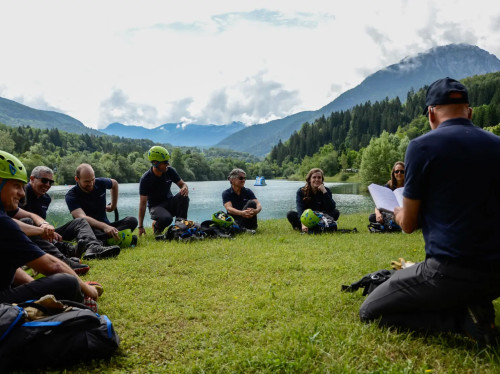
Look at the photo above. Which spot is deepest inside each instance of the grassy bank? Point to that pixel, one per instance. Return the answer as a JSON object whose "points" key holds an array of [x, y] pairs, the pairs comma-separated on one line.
{"points": [[269, 302]]}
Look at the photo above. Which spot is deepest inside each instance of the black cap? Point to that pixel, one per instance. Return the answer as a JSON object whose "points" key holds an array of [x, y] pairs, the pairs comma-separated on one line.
{"points": [[446, 91]]}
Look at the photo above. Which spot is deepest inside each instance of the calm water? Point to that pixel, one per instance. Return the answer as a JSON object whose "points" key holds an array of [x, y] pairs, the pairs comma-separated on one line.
{"points": [[277, 198]]}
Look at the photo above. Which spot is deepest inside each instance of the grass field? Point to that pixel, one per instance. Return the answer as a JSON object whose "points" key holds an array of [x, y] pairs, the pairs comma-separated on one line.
{"points": [[269, 302]]}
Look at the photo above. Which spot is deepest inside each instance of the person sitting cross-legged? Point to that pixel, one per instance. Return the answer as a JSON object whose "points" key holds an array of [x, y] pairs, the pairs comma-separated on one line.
{"points": [[240, 202]]}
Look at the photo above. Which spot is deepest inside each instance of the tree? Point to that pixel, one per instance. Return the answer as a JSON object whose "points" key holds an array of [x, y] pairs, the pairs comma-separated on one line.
{"points": [[379, 157], [7, 144]]}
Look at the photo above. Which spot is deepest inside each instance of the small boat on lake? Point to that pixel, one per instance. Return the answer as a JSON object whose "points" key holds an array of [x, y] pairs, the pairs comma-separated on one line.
{"points": [[260, 181]]}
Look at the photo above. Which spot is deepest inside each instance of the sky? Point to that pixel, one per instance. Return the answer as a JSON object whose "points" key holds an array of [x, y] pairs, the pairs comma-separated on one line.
{"points": [[148, 63]]}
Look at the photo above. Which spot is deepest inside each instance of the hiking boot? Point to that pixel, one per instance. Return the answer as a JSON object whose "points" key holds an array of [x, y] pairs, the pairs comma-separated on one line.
{"points": [[77, 267], [71, 250], [479, 324], [96, 251], [155, 231]]}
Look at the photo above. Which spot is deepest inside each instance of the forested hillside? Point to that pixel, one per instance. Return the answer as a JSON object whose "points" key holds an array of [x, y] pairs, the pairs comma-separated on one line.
{"points": [[111, 156], [352, 130]]}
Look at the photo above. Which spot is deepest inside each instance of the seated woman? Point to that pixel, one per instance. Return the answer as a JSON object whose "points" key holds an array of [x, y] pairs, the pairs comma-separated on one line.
{"points": [[397, 180], [314, 195]]}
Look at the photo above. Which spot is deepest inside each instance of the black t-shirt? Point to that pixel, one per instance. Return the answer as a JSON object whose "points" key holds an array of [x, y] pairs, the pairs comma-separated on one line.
{"points": [[16, 250], [238, 201], [93, 203], [37, 205], [157, 189]]}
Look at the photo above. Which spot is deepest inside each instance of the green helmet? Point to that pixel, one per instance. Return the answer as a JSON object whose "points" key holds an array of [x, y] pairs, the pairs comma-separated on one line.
{"points": [[158, 153], [309, 218], [12, 168], [124, 241], [222, 219]]}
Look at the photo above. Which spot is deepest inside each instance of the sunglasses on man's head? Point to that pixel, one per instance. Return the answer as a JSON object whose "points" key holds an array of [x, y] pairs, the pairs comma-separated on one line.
{"points": [[242, 178], [46, 180], [399, 171]]}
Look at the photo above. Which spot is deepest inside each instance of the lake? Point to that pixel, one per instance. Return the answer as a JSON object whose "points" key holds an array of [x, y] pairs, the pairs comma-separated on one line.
{"points": [[277, 198]]}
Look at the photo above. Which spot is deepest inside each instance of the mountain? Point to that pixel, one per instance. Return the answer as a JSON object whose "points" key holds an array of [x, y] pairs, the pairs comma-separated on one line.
{"points": [[455, 60], [14, 114], [176, 133]]}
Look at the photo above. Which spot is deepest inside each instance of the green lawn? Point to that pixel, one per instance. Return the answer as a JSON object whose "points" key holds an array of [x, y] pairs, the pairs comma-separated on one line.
{"points": [[269, 302]]}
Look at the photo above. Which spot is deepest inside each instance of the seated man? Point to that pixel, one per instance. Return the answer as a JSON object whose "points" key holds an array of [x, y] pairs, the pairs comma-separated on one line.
{"points": [[154, 188], [453, 288], [88, 200], [240, 202], [35, 208], [17, 250]]}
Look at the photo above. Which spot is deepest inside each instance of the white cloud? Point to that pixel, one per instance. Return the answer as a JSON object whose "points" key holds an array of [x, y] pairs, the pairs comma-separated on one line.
{"points": [[151, 62]]}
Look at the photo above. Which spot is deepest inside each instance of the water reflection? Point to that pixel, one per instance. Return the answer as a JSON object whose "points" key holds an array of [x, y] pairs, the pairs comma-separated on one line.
{"points": [[277, 198]]}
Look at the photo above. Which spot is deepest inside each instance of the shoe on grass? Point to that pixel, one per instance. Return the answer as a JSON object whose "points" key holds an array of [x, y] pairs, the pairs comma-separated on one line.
{"points": [[91, 304], [95, 251], [479, 325], [77, 267]]}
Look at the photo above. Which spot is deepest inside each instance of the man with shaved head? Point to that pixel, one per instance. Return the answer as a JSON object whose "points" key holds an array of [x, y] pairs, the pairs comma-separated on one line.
{"points": [[88, 200]]}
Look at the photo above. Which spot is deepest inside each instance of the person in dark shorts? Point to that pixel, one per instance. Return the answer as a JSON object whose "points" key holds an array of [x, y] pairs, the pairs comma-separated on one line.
{"points": [[154, 191]]}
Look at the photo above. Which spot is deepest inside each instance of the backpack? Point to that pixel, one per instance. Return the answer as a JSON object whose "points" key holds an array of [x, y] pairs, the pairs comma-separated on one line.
{"points": [[388, 225], [213, 230], [62, 337], [183, 230], [369, 282], [326, 224]]}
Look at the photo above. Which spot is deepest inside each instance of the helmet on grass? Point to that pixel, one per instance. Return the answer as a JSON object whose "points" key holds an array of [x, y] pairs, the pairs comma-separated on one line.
{"points": [[12, 168], [309, 218], [222, 219], [158, 153], [124, 239]]}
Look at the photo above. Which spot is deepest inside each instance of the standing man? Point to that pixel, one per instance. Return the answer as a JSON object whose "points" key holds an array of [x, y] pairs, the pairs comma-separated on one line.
{"points": [[453, 288], [240, 202], [17, 250], [37, 203], [88, 200], [154, 189]]}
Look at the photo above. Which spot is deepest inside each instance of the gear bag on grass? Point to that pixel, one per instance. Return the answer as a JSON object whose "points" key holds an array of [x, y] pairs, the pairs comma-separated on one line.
{"points": [[326, 224], [183, 230], [64, 336], [369, 282], [389, 224]]}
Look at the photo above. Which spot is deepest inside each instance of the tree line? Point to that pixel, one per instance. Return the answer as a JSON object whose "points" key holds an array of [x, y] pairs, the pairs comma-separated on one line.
{"points": [[111, 156], [375, 132]]}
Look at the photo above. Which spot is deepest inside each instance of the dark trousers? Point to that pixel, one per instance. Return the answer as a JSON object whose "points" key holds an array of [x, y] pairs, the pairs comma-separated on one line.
{"points": [[45, 245], [76, 229], [165, 212], [248, 223], [432, 295], [62, 286], [123, 224], [294, 219]]}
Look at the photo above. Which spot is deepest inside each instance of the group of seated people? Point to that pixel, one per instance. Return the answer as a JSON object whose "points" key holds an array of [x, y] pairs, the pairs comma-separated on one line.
{"points": [[57, 252], [450, 291]]}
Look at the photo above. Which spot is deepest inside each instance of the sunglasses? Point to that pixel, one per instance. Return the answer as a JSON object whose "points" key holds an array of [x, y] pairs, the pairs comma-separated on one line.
{"points": [[242, 178], [399, 171], [46, 180]]}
